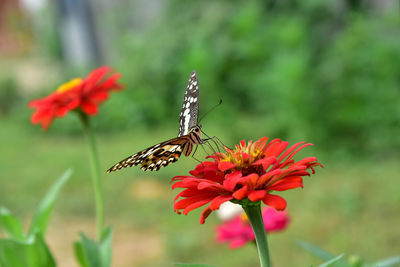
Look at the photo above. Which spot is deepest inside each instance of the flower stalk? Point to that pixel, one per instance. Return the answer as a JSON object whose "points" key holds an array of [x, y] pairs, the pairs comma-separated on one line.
{"points": [[95, 169], [253, 213]]}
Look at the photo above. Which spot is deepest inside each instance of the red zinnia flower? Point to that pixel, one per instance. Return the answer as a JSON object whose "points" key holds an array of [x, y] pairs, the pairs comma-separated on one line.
{"points": [[246, 174], [237, 231], [84, 94]]}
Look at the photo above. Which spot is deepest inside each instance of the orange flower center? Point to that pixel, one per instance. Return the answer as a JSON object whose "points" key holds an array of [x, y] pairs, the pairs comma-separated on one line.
{"points": [[69, 85]]}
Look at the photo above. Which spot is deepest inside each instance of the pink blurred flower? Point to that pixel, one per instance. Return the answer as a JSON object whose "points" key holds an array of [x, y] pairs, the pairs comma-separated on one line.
{"points": [[237, 231]]}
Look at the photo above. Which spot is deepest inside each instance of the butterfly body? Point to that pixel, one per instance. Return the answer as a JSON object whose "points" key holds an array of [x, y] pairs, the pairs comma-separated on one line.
{"points": [[189, 135]]}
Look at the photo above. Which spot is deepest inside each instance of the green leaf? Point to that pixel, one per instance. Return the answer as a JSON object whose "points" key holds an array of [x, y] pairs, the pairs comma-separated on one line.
{"points": [[29, 251], [43, 211], [80, 254], [33, 252], [106, 245], [315, 250], [38, 253], [332, 261], [388, 262], [320, 253], [89, 253], [11, 225], [193, 265]]}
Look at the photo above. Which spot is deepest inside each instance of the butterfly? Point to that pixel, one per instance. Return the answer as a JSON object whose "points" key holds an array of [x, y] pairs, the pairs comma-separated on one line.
{"points": [[189, 135]]}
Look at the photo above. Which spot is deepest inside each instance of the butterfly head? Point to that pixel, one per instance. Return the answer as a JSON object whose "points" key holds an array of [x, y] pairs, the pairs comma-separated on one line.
{"points": [[195, 134], [195, 129]]}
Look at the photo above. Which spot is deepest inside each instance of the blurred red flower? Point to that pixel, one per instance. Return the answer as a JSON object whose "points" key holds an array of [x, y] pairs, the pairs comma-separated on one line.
{"points": [[237, 231], [83, 94], [247, 173]]}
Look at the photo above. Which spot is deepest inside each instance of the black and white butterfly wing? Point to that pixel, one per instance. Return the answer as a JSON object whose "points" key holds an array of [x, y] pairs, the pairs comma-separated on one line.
{"points": [[190, 107], [162, 154], [155, 157]]}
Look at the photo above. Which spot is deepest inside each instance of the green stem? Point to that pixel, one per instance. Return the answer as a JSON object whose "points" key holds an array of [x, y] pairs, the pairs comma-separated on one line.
{"points": [[253, 212], [95, 168]]}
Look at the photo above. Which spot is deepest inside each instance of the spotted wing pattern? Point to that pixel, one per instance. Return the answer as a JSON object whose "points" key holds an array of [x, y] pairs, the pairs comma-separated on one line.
{"points": [[155, 157], [190, 107], [162, 154]]}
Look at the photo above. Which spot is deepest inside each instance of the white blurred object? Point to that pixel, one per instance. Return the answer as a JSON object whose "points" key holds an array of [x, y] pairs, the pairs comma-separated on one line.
{"points": [[33, 5], [228, 210], [78, 34]]}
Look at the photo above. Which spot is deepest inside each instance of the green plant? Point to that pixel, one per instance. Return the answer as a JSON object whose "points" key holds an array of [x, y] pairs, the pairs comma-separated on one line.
{"points": [[353, 261], [29, 249]]}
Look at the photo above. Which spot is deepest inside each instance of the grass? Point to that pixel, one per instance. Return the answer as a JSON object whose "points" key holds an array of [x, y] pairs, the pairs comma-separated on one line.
{"points": [[350, 206]]}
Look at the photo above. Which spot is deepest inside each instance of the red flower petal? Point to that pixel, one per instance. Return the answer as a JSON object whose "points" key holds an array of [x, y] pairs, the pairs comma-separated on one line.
{"points": [[260, 144], [290, 150], [195, 200], [266, 162], [276, 149], [277, 202], [225, 165], [250, 179], [211, 187], [237, 174], [194, 206], [241, 193], [231, 180], [287, 183], [244, 156], [265, 179], [99, 97], [89, 108], [297, 150], [206, 212], [257, 195], [274, 142], [216, 202]]}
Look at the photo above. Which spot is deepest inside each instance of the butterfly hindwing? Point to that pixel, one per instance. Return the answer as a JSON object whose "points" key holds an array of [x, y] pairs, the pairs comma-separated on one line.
{"points": [[162, 157], [190, 107], [154, 157]]}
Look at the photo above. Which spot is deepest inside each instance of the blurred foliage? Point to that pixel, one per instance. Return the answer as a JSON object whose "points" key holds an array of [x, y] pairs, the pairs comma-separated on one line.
{"points": [[48, 35], [90, 253], [324, 71], [352, 261], [8, 94]]}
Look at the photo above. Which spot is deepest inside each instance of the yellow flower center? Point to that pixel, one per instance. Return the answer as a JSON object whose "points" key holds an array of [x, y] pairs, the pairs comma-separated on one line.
{"points": [[69, 85], [244, 163], [256, 154], [236, 156]]}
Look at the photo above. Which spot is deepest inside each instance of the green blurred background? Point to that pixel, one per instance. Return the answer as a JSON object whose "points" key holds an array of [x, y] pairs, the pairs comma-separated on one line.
{"points": [[325, 72]]}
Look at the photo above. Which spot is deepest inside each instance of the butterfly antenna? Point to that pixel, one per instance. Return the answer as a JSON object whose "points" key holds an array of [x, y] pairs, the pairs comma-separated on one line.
{"points": [[202, 117]]}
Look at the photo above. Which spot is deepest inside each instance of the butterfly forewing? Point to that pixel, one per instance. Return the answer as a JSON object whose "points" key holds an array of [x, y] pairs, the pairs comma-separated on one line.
{"points": [[190, 107]]}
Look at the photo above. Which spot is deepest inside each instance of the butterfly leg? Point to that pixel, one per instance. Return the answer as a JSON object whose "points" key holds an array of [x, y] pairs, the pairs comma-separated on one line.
{"points": [[207, 143], [215, 143], [194, 152], [213, 138]]}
